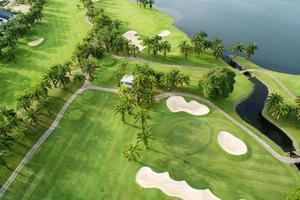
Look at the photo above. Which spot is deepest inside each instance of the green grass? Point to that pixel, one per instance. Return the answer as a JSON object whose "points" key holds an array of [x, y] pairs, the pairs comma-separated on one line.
{"points": [[62, 26], [149, 23], [289, 124], [83, 159]]}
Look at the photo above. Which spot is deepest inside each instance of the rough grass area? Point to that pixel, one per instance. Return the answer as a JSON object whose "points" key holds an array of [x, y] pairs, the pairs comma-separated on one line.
{"points": [[83, 159], [62, 27]]}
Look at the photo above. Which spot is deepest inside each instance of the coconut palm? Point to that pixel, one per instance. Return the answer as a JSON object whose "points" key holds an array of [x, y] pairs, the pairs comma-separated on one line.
{"points": [[238, 48], [165, 47], [250, 50], [150, 3], [31, 117], [148, 43], [274, 99], [279, 110], [3, 155], [120, 72], [141, 116], [131, 152], [144, 136], [218, 50], [185, 48], [88, 68]]}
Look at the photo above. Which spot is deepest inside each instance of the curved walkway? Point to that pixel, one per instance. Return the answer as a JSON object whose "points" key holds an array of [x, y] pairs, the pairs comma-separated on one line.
{"points": [[289, 93], [89, 86]]}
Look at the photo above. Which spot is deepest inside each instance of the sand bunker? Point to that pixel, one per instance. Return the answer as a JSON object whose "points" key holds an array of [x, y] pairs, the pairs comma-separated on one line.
{"points": [[178, 104], [147, 178], [36, 42], [134, 39], [231, 144], [164, 33], [23, 8]]}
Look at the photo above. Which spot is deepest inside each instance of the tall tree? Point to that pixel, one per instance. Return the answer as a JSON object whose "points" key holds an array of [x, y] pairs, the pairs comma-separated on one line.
{"points": [[237, 48], [142, 116], [144, 136], [218, 82], [250, 50], [131, 152], [185, 49], [165, 47]]}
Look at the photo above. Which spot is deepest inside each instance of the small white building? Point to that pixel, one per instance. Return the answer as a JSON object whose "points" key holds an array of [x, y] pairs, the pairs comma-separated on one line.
{"points": [[127, 80]]}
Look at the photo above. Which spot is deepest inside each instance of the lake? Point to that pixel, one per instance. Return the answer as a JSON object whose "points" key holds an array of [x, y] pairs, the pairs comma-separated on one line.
{"points": [[273, 25]]}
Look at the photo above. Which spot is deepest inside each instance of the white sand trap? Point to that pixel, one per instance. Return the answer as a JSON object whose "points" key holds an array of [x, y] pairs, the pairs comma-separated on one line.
{"points": [[36, 42], [134, 39], [23, 8], [164, 33], [231, 144], [178, 104], [147, 178]]}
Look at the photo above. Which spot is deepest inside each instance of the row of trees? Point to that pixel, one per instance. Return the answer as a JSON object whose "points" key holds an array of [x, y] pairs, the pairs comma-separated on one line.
{"points": [[16, 28], [278, 108], [35, 100], [137, 100], [200, 43], [248, 51], [145, 3], [156, 45], [105, 36]]}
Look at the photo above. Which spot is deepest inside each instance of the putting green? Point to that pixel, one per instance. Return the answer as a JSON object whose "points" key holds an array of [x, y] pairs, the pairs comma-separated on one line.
{"points": [[84, 160]]}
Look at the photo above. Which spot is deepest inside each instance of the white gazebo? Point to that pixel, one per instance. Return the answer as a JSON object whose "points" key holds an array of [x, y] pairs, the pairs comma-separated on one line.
{"points": [[127, 80]]}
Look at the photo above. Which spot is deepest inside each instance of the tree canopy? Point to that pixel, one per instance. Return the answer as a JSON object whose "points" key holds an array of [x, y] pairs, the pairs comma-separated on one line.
{"points": [[218, 82]]}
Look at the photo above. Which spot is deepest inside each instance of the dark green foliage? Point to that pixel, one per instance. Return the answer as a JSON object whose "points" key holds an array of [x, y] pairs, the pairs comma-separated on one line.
{"points": [[218, 82]]}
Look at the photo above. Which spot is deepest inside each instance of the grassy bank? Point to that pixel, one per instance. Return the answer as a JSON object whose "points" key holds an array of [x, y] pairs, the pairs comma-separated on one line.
{"points": [[292, 82]]}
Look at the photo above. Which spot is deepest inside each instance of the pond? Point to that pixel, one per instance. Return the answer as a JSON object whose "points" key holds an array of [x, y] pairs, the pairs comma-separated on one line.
{"points": [[273, 25]]}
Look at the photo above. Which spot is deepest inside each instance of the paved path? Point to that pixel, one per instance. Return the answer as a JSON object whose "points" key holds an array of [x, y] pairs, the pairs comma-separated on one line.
{"points": [[283, 87], [89, 86]]}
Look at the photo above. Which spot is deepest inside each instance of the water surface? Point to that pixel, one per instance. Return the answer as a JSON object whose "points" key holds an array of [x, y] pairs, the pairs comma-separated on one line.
{"points": [[273, 25]]}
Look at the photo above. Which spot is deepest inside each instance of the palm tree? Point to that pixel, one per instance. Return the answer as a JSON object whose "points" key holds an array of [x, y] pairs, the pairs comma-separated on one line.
{"points": [[120, 72], [238, 48], [144, 136], [279, 110], [125, 104], [88, 68], [156, 46], [142, 116], [218, 50], [250, 49], [165, 47], [274, 99], [298, 107], [31, 117], [185, 48], [199, 41], [3, 155], [148, 43], [150, 2], [131, 152]]}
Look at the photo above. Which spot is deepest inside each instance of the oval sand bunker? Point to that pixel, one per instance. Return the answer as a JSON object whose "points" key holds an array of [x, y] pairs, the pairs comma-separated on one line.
{"points": [[147, 178], [164, 33], [231, 144], [178, 104], [36, 42], [134, 39]]}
